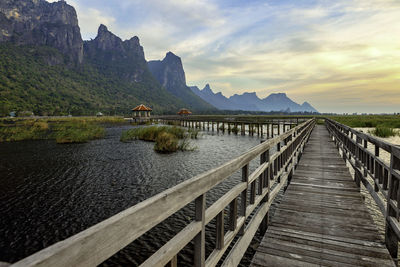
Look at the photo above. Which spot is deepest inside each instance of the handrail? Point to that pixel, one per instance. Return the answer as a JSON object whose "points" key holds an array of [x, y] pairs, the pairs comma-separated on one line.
{"points": [[99, 242], [386, 177]]}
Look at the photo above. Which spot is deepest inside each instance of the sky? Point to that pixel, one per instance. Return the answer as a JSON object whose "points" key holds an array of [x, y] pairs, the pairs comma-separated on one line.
{"points": [[340, 56]]}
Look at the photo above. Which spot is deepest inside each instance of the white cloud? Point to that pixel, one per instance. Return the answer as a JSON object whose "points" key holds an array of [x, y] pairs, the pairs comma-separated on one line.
{"points": [[324, 54]]}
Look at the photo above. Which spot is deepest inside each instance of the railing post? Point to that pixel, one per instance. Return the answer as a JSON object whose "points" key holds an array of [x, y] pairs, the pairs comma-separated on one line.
{"points": [[173, 262], [278, 160], [377, 178], [243, 206], [219, 239], [199, 240], [233, 215], [264, 223], [391, 240], [357, 159], [365, 158]]}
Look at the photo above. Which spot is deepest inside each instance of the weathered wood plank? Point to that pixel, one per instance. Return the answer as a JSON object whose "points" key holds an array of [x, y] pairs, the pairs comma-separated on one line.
{"points": [[322, 218]]}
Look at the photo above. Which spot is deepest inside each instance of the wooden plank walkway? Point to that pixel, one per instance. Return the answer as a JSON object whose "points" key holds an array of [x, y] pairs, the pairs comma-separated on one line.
{"points": [[322, 219]]}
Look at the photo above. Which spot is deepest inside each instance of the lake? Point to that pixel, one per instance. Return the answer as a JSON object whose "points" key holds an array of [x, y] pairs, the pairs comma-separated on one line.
{"points": [[50, 191]]}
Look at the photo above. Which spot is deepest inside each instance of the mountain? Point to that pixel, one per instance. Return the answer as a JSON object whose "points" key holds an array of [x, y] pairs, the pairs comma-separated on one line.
{"points": [[45, 67], [218, 100], [169, 72], [112, 55], [247, 101], [39, 23], [251, 102]]}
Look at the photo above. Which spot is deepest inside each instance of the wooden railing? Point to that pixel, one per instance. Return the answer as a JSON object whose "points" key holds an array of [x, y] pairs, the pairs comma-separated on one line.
{"points": [[99, 242], [385, 188]]}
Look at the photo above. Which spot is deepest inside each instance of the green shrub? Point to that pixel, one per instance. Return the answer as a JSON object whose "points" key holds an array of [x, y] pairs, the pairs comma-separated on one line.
{"points": [[166, 143], [383, 131]]}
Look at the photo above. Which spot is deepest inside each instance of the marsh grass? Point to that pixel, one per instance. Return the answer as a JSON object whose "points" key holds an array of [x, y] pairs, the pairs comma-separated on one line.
{"points": [[383, 131], [63, 130], [77, 132], [167, 139], [369, 121]]}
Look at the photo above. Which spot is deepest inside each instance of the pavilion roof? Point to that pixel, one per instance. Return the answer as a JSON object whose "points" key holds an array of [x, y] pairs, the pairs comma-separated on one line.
{"points": [[184, 111], [142, 107]]}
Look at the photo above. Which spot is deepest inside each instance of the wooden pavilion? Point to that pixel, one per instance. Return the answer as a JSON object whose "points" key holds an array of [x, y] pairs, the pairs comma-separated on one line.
{"points": [[141, 111], [184, 112]]}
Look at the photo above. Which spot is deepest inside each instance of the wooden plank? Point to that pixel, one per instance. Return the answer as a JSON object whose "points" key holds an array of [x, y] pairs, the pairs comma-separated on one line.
{"points": [[322, 218]]}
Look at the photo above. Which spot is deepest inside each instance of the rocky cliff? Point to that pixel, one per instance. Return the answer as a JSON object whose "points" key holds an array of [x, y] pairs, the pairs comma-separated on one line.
{"points": [[124, 58], [169, 72], [37, 22]]}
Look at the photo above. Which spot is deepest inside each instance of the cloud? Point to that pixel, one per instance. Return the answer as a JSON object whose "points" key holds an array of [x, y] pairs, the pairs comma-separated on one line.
{"points": [[328, 53]]}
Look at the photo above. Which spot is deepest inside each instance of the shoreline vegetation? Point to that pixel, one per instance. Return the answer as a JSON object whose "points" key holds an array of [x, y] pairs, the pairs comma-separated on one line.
{"points": [[63, 130], [384, 126], [83, 129], [167, 139]]}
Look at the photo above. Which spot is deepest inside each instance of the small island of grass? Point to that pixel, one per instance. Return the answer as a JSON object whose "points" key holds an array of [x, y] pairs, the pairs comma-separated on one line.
{"points": [[167, 139]]}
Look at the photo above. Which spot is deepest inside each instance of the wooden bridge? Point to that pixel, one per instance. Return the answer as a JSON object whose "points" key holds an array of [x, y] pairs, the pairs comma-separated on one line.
{"points": [[321, 220]]}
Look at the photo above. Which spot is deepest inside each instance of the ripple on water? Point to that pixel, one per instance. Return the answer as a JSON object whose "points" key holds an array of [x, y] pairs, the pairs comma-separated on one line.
{"points": [[50, 192]]}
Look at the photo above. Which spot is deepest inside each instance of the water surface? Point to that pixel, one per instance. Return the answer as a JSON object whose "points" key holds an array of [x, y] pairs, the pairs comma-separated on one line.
{"points": [[50, 191]]}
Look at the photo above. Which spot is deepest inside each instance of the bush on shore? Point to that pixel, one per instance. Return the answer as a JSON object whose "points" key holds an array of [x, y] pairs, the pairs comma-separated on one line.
{"points": [[383, 131]]}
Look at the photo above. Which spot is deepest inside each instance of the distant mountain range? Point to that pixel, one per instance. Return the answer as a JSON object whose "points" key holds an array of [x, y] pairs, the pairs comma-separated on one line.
{"points": [[251, 102]]}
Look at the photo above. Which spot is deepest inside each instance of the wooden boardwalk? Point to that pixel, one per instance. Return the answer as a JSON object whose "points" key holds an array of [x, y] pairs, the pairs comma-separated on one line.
{"points": [[322, 219]]}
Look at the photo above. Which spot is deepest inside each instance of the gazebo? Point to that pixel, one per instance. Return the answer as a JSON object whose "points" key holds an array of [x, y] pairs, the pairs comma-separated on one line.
{"points": [[141, 111], [184, 112]]}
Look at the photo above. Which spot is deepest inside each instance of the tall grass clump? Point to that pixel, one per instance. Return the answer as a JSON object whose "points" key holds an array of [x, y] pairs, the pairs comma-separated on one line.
{"points": [[383, 131], [77, 132], [167, 139], [166, 143], [24, 130]]}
